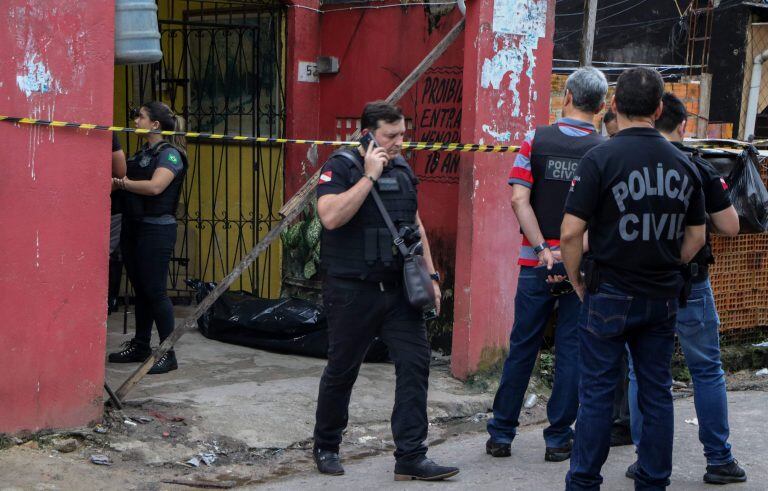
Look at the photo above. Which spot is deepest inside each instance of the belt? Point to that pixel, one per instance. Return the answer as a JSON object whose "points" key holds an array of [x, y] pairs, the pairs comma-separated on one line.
{"points": [[354, 284]]}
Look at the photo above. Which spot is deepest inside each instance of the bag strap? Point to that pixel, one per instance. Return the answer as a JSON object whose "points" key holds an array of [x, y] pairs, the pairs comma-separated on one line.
{"points": [[398, 240]]}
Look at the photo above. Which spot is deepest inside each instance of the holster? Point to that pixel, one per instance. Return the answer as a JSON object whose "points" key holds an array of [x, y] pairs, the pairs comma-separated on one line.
{"points": [[591, 274], [689, 271]]}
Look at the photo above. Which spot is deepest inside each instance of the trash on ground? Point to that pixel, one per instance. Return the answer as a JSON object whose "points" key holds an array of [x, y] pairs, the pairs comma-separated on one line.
{"points": [[100, 459], [763, 372], [208, 457], [67, 446], [531, 400], [764, 344], [365, 439], [100, 429], [478, 417], [142, 419], [694, 421], [193, 462], [166, 434], [130, 423], [17, 441]]}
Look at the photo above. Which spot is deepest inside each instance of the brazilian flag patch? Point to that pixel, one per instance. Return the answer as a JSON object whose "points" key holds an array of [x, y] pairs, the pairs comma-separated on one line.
{"points": [[172, 158]]}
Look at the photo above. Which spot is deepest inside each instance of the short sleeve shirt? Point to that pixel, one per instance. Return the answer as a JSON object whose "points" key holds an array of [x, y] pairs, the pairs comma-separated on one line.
{"points": [[337, 176], [522, 174], [116, 143], [637, 192], [169, 158]]}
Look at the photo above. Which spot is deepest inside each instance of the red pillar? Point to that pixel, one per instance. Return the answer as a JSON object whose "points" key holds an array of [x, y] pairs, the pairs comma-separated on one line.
{"points": [[507, 69], [58, 63], [302, 92]]}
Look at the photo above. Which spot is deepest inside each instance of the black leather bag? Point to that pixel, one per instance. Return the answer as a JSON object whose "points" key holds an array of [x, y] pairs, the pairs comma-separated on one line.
{"points": [[416, 278]]}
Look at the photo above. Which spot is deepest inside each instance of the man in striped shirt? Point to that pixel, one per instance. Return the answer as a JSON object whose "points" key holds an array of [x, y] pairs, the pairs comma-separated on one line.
{"points": [[540, 180]]}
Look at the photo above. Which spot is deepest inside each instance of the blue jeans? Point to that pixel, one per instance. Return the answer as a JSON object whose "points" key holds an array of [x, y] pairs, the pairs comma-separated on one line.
{"points": [[697, 331], [609, 320], [533, 306]]}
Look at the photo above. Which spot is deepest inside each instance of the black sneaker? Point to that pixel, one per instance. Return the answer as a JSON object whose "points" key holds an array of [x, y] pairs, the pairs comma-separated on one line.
{"points": [[552, 454], [423, 470], [631, 471], [327, 462], [498, 449], [133, 351], [165, 364], [725, 474]]}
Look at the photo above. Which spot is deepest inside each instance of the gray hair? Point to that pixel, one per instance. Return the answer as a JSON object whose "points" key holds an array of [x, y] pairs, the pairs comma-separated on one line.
{"points": [[588, 87]]}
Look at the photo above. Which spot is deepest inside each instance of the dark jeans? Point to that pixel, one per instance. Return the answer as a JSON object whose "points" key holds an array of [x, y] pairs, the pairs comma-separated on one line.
{"points": [[621, 416], [533, 306], [147, 249], [357, 312], [697, 331], [609, 319]]}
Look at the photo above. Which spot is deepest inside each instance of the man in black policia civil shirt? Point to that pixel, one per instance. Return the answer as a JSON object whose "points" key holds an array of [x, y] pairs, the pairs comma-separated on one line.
{"points": [[697, 322], [540, 180], [641, 200], [363, 292]]}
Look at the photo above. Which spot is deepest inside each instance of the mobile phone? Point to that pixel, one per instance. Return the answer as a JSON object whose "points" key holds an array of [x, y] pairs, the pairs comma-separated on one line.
{"points": [[366, 140]]}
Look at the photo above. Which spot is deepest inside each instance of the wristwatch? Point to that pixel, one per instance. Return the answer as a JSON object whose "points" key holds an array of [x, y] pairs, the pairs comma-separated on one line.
{"points": [[435, 276], [541, 247]]}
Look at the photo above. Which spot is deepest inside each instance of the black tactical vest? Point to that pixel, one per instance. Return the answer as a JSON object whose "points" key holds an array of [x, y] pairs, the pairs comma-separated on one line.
{"points": [[363, 248], [140, 167], [554, 159]]}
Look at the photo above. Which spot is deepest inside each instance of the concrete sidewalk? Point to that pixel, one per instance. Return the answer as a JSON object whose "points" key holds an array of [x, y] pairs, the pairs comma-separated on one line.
{"points": [[267, 400], [527, 470]]}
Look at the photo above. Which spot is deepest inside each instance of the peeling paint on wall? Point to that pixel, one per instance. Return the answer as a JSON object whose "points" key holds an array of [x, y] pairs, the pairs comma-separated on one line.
{"points": [[518, 25], [500, 136], [35, 76]]}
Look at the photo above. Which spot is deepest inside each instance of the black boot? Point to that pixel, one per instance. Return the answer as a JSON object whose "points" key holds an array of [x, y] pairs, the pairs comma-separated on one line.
{"points": [[327, 462], [133, 351], [165, 364], [498, 449], [725, 474], [423, 470], [552, 454], [631, 471]]}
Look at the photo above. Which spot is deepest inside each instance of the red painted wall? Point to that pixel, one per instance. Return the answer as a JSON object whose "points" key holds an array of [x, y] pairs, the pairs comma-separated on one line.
{"points": [[301, 97], [54, 210], [507, 70], [376, 50]]}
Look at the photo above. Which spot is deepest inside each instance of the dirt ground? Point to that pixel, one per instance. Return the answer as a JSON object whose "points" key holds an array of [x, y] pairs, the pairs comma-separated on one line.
{"points": [[153, 450]]}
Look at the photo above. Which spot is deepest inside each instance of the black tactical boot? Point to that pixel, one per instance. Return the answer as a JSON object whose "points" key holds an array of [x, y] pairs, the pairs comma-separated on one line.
{"points": [[133, 351], [327, 462], [498, 449], [725, 474], [423, 470], [165, 364], [552, 454]]}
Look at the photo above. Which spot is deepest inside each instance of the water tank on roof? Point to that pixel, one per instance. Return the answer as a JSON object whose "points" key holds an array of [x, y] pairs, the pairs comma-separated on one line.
{"points": [[137, 38]]}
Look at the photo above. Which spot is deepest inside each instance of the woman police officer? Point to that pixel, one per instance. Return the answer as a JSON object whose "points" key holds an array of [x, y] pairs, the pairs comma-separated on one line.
{"points": [[151, 190]]}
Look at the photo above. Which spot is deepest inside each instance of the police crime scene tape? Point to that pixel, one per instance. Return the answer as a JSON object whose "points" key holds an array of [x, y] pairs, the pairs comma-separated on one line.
{"points": [[428, 146]]}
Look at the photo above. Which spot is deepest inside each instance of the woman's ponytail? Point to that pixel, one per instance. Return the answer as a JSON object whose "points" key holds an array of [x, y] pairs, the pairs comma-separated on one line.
{"points": [[178, 141]]}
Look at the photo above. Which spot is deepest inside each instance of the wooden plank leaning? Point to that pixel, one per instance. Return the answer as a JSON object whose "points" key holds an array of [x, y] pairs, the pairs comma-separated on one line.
{"points": [[289, 212]]}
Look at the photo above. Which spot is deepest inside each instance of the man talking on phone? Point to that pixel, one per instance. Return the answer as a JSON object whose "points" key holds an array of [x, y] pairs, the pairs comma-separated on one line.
{"points": [[363, 291]]}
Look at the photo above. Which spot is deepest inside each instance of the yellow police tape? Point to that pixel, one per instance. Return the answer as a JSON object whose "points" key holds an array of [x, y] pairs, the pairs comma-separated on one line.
{"points": [[428, 146]]}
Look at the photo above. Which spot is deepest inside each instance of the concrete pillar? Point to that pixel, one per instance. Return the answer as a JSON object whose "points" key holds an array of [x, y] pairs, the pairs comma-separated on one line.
{"points": [[507, 70], [54, 210], [302, 94]]}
